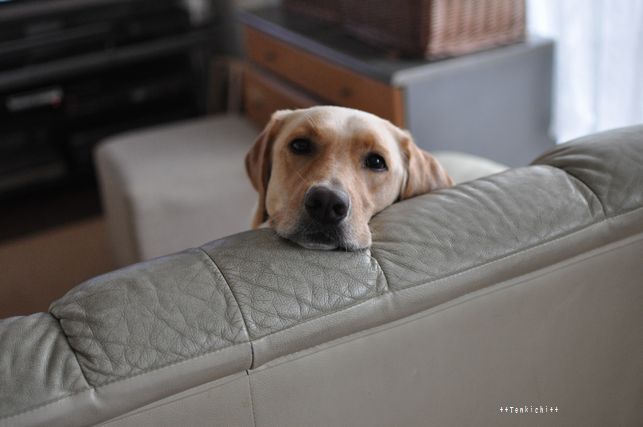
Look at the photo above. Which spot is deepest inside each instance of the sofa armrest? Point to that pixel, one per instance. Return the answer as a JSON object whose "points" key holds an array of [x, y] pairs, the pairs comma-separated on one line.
{"points": [[37, 365]]}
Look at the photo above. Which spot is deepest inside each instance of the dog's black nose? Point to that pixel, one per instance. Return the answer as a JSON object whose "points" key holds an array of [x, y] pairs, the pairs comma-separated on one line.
{"points": [[326, 206]]}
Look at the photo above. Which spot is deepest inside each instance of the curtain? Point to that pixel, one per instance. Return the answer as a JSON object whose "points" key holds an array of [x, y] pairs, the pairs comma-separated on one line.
{"points": [[599, 62]]}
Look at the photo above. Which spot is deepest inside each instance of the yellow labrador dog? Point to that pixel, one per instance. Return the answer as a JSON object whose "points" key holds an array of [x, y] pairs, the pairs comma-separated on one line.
{"points": [[323, 172]]}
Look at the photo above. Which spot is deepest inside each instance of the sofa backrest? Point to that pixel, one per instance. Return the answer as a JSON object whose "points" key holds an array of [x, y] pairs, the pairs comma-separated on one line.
{"points": [[252, 329]]}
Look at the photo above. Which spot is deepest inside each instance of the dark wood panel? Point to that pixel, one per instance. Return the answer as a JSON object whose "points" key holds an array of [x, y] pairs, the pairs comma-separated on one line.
{"points": [[264, 94], [328, 81]]}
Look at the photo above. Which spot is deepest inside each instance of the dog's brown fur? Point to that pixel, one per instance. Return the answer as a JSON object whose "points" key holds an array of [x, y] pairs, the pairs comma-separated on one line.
{"points": [[342, 138]]}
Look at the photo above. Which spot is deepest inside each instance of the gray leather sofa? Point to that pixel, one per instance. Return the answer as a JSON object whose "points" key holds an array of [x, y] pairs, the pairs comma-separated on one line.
{"points": [[522, 289]]}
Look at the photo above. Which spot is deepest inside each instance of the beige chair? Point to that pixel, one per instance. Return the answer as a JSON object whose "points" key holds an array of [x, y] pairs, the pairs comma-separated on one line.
{"points": [[176, 186], [508, 293]]}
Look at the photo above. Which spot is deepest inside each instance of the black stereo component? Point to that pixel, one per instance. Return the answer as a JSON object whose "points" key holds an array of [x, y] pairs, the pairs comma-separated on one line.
{"points": [[36, 36], [73, 72]]}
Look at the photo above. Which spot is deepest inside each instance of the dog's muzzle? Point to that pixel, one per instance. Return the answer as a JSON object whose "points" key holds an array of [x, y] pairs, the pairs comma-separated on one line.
{"points": [[323, 223], [326, 206]]}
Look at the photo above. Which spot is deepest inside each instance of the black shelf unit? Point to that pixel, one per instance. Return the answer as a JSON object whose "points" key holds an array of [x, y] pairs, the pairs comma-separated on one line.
{"points": [[73, 72]]}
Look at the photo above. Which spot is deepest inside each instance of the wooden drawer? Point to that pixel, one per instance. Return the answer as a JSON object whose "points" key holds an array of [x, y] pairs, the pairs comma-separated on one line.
{"points": [[328, 81], [263, 95]]}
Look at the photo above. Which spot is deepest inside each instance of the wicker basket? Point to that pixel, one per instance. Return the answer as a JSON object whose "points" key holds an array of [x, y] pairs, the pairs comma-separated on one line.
{"points": [[326, 10], [435, 28]]}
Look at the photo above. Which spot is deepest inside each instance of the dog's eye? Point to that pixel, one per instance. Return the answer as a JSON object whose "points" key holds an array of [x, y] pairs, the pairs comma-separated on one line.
{"points": [[375, 162], [301, 146]]}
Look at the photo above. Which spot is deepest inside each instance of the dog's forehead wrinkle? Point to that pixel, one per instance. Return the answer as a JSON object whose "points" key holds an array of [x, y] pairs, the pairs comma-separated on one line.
{"points": [[314, 124], [347, 122], [334, 123]]}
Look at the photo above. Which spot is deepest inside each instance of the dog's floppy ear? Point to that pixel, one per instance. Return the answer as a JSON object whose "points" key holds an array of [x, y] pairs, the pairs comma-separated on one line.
{"points": [[258, 164], [423, 172]]}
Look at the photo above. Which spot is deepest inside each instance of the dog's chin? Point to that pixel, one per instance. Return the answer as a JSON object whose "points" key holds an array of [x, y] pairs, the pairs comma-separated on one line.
{"points": [[317, 246], [321, 238], [319, 241]]}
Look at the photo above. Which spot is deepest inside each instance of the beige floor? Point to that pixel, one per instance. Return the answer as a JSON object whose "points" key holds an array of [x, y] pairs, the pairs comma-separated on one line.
{"points": [[37, 269]]}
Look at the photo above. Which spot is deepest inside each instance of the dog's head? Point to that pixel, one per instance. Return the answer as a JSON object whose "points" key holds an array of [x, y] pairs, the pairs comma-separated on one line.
{"points": [[323, 172]]}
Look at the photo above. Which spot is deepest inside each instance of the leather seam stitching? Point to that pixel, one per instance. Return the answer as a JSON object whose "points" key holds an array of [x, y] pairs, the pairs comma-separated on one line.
{"points": [[73, 351], [591, 190], [379, 267], [234, 296], [252, 399]]}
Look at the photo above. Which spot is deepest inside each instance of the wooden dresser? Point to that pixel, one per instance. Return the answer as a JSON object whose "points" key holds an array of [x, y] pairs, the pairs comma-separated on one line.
{"points": [[494, 104]]}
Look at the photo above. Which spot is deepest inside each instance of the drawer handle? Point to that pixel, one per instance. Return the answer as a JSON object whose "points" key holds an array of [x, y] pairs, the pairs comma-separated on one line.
{"points": [[270, 56], [345, 92]]}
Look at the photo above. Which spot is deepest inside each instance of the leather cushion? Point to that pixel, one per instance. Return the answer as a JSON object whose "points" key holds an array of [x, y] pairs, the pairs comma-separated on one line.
{"points": [[149, 315]]}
